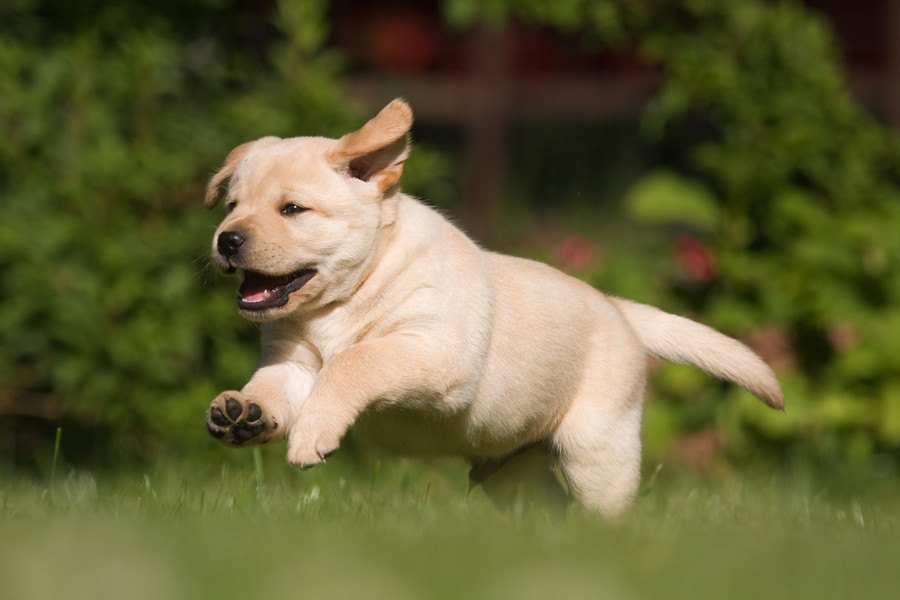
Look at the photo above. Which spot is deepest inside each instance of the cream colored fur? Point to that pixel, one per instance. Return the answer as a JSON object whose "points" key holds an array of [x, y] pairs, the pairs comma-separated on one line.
{"points": [[428, 344]]}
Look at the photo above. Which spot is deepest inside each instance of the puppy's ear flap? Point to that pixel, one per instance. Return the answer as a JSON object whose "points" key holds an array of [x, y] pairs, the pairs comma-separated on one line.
{"points": [[231, 162], [376, 151]]}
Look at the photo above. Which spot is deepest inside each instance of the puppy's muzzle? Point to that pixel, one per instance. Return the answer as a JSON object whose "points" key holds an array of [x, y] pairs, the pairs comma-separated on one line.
{"points": [[229, 243]]}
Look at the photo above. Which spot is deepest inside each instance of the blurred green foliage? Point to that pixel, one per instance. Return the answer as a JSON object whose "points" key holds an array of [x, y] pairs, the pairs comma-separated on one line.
{"points": [[113, 115], [789, 209]]}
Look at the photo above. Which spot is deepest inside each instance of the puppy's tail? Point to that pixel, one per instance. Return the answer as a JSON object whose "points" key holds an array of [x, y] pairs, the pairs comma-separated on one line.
{"points": [[684, 341]]}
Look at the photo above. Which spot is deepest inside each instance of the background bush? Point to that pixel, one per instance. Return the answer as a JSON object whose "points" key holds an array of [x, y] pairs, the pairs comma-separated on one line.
{"points": [[781, 199], [113, 115]]}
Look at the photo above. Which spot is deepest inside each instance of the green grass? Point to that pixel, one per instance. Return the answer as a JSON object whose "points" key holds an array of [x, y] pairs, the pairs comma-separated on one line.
{"points": [[230, 528]]}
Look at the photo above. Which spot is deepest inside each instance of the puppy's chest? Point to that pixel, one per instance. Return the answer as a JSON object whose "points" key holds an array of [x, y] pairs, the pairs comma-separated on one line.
{"points": [[334, 333]]}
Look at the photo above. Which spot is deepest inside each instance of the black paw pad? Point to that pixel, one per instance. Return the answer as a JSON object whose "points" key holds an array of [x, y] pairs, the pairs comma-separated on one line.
{"points": [[254, 412], [216, 433], [233, 408], [243, 432], [216, 416]]}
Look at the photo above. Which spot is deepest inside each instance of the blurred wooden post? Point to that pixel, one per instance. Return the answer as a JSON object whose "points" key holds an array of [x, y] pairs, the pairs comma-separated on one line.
{"points": [[892, 62], [485, 157]]}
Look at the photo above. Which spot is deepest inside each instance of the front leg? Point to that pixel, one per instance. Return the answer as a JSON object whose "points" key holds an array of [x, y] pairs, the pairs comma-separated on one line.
{"points": [[267, 407], [388, 369]]}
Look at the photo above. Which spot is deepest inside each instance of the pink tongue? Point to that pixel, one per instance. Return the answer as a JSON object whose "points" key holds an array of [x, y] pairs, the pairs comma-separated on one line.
{"points": [[259, 296]]}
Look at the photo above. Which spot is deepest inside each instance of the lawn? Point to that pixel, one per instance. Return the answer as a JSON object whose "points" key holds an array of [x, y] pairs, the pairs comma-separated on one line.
{"points": [[235, 527]]}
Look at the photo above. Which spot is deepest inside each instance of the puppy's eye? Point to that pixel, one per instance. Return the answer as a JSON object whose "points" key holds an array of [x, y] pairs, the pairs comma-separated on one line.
{"points": [[292, 209], [230, 206]]}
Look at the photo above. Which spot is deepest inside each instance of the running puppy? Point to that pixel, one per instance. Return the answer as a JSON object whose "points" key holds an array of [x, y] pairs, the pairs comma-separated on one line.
{"points": [[379, 314]]}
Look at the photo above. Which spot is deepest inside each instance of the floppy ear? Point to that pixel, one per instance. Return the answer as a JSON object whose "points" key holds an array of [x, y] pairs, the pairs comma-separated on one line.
{"points": [[376, 151], [231, 162]]}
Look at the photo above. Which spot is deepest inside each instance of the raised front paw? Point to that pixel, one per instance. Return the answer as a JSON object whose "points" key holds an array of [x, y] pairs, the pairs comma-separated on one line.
{"points": [[235, 419]]}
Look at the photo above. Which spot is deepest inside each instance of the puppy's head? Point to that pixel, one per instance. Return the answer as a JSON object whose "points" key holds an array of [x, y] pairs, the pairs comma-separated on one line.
{"points": [[304, 214]]}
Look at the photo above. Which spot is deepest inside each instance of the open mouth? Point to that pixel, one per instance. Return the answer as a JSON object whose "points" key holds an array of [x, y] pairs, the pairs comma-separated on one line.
{"points": [[260, 291]]}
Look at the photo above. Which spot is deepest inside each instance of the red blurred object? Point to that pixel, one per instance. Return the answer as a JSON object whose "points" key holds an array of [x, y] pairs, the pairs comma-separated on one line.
{"points": [[695, 259], [842, 336], [575, 252], [701, 451], [403, 39], [774, 345]]}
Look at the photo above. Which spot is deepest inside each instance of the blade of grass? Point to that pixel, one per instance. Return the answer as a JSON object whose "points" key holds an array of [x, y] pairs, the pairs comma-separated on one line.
{"points": [[56, 444], [258, 468]]}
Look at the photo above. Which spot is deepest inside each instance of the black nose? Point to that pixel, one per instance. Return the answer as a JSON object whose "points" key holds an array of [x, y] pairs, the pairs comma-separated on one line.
{"points": [[229, 243]]}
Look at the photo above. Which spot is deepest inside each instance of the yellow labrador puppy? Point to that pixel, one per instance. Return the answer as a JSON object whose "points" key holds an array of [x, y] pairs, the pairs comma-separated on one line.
{"points": [[380, 314]]}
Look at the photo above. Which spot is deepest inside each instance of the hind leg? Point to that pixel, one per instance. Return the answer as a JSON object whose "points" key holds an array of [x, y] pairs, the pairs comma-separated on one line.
{"points": [[600, 453], [525, 479]]}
